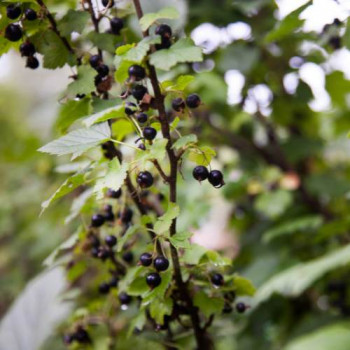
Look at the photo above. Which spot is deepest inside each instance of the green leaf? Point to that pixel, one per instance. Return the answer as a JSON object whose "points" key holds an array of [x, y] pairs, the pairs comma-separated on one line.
{"points": [[208, 306], [184, 141], [121, 73], [338, 88], [215, 258], [159, 308], [73, 21], [164, 222], [127, 235], [181, 83], [194, 254], [109, 113], [137, 323], [78, 204], [295, 280], [243, 286], [182, 51], [181, 240], [138, 287], [104, 41], [165, 13], [78, 141], [273, 204], [113, 179], [156, 151], [84, 83], [121, 128], [201, 155]]}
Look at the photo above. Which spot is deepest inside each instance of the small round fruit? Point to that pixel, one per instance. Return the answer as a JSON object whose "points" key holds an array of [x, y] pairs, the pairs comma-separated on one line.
{"points": [[142, 146], [106, 2], [142, 118], [149, 133], [114, 194], [126, 215], [153, 279], [13, 32], [161, 263], [138, 91], [130, 108], [103, 70], [136, 72], [145, 179], [32, 62], [98, 80], [97, 220], [193, 101], [241, 307], [82, 336], [200, 173], [178, 104], [113, 282], [128, 257], [95, 61], [117, 25], [164, 31], [111, 240], [13, 11], [146, 259], [217, 279], [165, 44], [103, 253], [30, 14], [27, 49], [125, 298], [103, 288], [68, 339], [216, 178], [109, 216]]}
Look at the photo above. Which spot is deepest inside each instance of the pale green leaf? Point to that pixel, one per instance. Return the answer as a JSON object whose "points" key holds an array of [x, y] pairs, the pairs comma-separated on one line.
{"points": [[243, 286], [84, 82], [181, 240], [273, 204], [209, 306], [164, 222], [181, 83], [159, 308], [109, 113], [201, 156], [127, 235], [73, 21], [165, 13], [184, 141], [194, 254]]}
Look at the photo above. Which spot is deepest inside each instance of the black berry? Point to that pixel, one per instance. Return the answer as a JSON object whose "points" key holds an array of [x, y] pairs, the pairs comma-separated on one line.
{"points": [[30, 14], [149, 133], [142, 146], [114, 194], [217, 279], [98, 80], [128, 257], [111, 240], [124, 298], [164, 31], [126, 215], [13, 32], [200, 173], [103, 253], [216, 178], [142, 118], [335, 42], [165, 44], [193, 101], [130, 108], [106, 2], [161, 263], [117, 25], [103, 70], [32, 62], [94, 61], [178, 104], [82, 336], [27, 49], [137, 72], [68, 339], [109, 216], [153, 279], [103, 288], [145, 179], [241, 307], [97, 220], [13, 11], [113, 282], [138, 91], [146, 259]]}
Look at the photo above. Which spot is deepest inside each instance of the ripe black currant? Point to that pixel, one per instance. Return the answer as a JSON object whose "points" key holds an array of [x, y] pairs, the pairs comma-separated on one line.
{"points": [[130, 108], [193, 101], [82, 336], [68, 339], [126, 215], [32, 62], [136, 72], [241, 307], [13, 32], [103, 253], [165, 44], [13, 11], [178, 104], [95, 60], [153, 279], [114, 194], [216, 178], [111, 240], [97, 220], [138, 91], [125, 298], [200, 173], [27, 49], [109, 216], [335, 42], [142, 118], [106, 2], [117, 25], [161, 263], [128, 257], [98, 80], [164, 31], [30, 14], [145, 179], [103, 70], [217, 279], [149, 133], [103, 288], [113, 282], [142, 146], [146, 259]]}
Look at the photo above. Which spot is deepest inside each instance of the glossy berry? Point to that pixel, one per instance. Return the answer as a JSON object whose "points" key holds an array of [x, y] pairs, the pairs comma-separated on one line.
{"points": [[107, 208], [146, 259], [103, 70], [153, 279], [82, 336], [124, 298], [103, 253], [161, 263], [95, 61], [217, 279], [145, 179], [126, 215], [200, 173], [164, 44], [149, 133], [130, 108], [32, 62], [178, 104], [241, 307], [97, 220], [13, 11], [193, 101], [30, 14], [98, 80], [27, 49], [111, 240], [164, 31], [142, 118], [117, 25], [216, 178], [142, 146], [103, 288], [106, 2], [128, 257], [13, 32], [114, 194], [109, 216], [138, 91], [113, 282], [136, 72]]}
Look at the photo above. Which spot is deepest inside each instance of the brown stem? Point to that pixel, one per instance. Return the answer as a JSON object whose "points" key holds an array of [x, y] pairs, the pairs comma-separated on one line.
{"points": [[164, 176]]}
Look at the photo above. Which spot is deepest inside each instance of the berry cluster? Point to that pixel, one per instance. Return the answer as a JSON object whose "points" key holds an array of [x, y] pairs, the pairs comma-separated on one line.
{"points": [[215, 177], [80, 335], [160, 263]]}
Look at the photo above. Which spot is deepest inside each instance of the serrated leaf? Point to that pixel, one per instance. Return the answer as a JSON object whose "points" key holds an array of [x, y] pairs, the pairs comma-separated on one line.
{"points": [[165, 13], [215, 258], [84, 83], [121, 73], [208, 306], [78, 141], [138, 287], [164, 222], [156, 151], [78, 204], [181, 83], [159, 308], [121, 50], [184, 141], [194, 254], [72, 167], [121, 128], [182, 51], [243, 286], [137, 323], [104, 41], [129, 233], [201, 156], [181, 240], [73, 21], [109, 113]]}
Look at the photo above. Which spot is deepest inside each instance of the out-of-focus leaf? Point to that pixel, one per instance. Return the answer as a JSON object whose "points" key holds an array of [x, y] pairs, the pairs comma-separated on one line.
{"points": [[164, 222], [273, 204], [165, 13], [209, 306]]}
